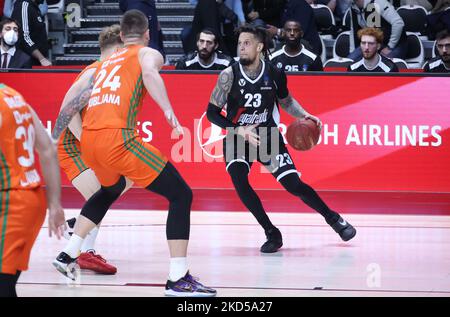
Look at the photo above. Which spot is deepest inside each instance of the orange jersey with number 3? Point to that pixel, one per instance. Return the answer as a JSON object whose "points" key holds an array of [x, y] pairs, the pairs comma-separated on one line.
{"points": [[117, 93], [17, 159]]}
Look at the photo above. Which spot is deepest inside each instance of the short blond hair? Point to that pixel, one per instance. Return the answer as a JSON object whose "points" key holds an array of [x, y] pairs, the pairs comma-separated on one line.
{"points": [[376, 33], [109, 36]]}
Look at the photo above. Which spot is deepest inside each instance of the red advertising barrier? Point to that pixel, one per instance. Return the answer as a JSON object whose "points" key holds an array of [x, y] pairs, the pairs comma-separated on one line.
{"points": [[382, 133]]}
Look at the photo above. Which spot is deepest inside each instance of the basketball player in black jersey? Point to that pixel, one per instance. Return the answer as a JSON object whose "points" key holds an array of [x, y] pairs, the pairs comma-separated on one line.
{"points": [[252, 90]]}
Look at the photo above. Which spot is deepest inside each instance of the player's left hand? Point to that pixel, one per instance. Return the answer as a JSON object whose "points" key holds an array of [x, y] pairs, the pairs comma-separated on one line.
{"points": [[56, 221], [315, 119]]}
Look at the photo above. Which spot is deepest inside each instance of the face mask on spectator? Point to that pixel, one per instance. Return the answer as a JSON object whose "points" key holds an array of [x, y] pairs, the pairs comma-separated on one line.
{"points": [[10, 37]]}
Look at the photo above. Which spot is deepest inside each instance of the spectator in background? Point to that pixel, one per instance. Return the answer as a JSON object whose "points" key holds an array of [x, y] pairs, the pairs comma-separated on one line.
{"points": [[34, 39], [364, 13], [301, 11], [294, 56], [147, 7], [372, 61], [341, 7], [11, 56], [441, 63], [208, 14], [269, 11], [206, 57], [7, 7], [229, 26]]}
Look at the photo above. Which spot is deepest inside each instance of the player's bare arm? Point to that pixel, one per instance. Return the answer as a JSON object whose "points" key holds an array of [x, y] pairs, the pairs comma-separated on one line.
{"points": [[77, 98], [151, 62], [75, 126], [222, 88], [50, 171], [219, 99], [296, 110]]}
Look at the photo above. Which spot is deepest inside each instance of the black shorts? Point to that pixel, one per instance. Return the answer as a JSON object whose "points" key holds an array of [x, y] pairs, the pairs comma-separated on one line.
{"points": [[272, 152]]}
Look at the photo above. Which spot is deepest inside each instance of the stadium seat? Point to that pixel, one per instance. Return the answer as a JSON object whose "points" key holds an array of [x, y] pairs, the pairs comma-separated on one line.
{"points": [[401, 64], [341, 47], [415, 19], [346, 21], [416, 54], [338, 62], [324, 18]]}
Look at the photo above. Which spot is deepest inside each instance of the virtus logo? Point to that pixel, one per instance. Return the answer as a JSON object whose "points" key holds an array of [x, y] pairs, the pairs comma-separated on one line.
{"points": [[209, 137]]}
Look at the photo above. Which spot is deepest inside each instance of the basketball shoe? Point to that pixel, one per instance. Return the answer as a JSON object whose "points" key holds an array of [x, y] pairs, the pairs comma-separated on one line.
{"points": [[95, 262], [188, 286], [66, 266], [274, 241], [345, 230]]}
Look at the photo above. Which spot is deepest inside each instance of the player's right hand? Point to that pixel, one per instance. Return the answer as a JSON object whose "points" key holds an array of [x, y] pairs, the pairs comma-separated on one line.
{"points": [[56, 221], [249, 134]]}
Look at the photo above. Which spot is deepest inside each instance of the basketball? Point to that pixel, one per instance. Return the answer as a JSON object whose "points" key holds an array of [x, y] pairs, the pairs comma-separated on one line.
{"points": [[303, 134]]}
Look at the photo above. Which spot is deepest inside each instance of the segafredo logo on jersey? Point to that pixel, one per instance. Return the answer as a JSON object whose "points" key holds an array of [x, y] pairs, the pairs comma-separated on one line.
{"points": [[209, 137], [252, 118]]}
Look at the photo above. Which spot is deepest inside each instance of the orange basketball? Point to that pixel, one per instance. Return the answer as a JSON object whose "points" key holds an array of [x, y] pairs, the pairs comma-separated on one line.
{"points": [[303, 134]]}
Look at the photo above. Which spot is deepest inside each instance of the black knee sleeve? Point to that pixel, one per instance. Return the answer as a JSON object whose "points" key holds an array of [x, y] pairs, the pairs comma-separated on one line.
{"points": [[172, 186], [99, 203], [308, 195], [239, 176], [8, 284]]}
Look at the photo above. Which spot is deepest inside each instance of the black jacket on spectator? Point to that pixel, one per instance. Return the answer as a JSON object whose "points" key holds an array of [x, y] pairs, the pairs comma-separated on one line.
{"points": [[207, 14], [20, 60], [269, 11], [301, 11], [33, 33]]}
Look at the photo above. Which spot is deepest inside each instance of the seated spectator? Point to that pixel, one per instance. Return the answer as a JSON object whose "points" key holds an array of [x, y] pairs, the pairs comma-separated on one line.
{"points": [[33, 39], [380, 14], [301, 11], [207, 14], [294, 56], [206, 57], [269, 11], [11, 56], [372, 61], [441, 63]]}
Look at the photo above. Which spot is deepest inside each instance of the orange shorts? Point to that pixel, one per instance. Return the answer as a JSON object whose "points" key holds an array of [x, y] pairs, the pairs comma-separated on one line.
{"points": [[112, 153], [69, 156], [21, 217]]}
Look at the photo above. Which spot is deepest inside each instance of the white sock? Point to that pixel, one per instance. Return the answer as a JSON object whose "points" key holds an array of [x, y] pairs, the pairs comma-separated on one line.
{"points": [[89, 241], [178, 268], [73, 247]]}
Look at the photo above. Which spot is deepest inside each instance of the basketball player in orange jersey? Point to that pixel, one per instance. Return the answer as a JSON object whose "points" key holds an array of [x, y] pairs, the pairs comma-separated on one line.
{"points": [[112, 148], [77, 171], [252, 90], [23, 201]]}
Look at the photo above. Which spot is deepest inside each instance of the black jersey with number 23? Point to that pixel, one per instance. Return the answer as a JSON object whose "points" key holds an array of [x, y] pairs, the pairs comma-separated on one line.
{"points": [[255, 101]]}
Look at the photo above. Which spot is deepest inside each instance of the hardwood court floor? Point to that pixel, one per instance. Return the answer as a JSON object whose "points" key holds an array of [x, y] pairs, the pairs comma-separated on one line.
{"points": [[391, 255]]}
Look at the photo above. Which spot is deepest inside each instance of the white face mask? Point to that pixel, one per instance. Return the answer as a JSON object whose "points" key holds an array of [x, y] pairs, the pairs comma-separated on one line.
{"points": [[10, 37]]}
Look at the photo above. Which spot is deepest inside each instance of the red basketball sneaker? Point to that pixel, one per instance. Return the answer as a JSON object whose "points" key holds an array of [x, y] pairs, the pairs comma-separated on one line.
{"points": [[94, 262]]}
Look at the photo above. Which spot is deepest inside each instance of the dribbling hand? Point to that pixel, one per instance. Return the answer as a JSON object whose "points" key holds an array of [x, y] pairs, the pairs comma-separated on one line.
{"points": [[315, 119], [249, 134]]}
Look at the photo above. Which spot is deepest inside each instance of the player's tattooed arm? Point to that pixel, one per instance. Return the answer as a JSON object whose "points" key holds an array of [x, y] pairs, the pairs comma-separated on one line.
{"points": [[222, 89], [293, 107], [72, 107]]}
